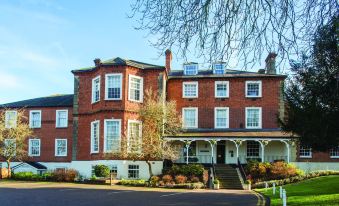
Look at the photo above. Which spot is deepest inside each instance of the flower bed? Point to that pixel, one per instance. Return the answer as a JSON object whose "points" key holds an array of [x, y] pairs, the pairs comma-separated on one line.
{"points": [[68, 175]]}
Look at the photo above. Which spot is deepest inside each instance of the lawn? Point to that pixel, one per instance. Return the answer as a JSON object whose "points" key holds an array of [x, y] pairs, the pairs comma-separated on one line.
{"points": [[317, 191]]}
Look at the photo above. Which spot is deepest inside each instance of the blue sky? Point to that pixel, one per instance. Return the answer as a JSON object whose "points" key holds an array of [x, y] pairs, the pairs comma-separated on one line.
{"points": [[41, 41]]}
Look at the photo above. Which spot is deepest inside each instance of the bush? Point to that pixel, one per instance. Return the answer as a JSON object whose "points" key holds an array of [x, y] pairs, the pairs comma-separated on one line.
{"points": [[167, 179], [101, 171], [141, 183], [27, 176], [215, 181], [194, 179], [180, 179], [186, 170], [154, 181]]}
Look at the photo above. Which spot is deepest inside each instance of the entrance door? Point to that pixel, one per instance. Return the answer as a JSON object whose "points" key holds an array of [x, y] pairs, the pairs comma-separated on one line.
{"points": [[220, 154]]}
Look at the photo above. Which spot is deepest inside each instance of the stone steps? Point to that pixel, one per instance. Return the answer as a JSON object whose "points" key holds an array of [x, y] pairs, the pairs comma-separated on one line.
{"points": [[228, 177]]}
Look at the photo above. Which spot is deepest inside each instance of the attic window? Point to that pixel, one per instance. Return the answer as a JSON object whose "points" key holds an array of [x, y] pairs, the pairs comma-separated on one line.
{"points": [[191, 69], [219, 68]]}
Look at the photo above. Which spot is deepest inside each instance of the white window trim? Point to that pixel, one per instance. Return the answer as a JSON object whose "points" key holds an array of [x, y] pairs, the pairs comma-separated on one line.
{"points": [[31, 118], [303, 156], [196, 71], [56, 148], [227, 92], [333, 157], [106, 85], [227, 116], [141, 88], [190, 83], [105, 131], [260, 89], [57, 119], [93, 92], [128, 130], [6, 119], [214, 69], [30, 148], [92, 123], [196, 117], [260, 118]]}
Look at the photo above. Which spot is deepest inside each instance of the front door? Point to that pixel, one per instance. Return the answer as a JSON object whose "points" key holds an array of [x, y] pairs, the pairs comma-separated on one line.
{"points": [[220, 154]]}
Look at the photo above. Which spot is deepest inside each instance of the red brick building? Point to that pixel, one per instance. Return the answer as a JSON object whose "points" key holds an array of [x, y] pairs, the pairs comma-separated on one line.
{"points": [[228, 116]]}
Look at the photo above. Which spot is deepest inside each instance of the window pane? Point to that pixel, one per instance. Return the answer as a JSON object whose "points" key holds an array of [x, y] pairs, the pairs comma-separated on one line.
{"points": [[191, 69], [190, 90], [135, 89], [62, 119], [134, 137], [190, 118], [133, 171], [252, 149], [253, 89], [253, 118], [305, 151], [221, 118], [219, 68], [95, 137], [35, 147], [113, 87], [61, 147], [221, 90], [112, 135]]}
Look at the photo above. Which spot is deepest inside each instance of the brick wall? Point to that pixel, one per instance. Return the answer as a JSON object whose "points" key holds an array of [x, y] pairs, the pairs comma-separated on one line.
{"points": [[236, 102]]}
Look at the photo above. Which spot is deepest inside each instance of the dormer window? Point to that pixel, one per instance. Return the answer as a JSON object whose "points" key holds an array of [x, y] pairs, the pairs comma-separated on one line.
{"points": [[191, 69], [219, 68]]}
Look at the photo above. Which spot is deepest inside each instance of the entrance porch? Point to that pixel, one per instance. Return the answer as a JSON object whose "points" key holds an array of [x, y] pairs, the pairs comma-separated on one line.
{"points": [[231, 150]]}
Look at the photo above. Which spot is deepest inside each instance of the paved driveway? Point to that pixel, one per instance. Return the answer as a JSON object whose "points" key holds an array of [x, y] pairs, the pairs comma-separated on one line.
{"points": [[61, 194]]}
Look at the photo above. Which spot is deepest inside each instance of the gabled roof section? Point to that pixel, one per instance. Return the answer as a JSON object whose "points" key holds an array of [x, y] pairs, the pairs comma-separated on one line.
{"points": [[117, 61], [176, 74], [50, 101], [35, 165]]}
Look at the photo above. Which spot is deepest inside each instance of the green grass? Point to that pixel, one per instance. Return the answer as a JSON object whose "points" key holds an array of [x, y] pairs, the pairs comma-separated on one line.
{"points": [[317, 191]]}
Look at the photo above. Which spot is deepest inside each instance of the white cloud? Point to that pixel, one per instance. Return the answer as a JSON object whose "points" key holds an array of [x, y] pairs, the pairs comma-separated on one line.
{"points": [[9, 81]]}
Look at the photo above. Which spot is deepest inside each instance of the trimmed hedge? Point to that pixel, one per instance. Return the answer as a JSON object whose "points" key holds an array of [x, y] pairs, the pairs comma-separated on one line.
{"points": [[294, 179], [68, 175], [140, 183], [101, 171]]}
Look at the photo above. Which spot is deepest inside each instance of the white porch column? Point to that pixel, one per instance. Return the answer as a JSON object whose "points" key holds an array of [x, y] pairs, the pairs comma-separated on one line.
{"points": [[263, 143], [288, 149], [187, 145], [212, 144], [237, 145]]}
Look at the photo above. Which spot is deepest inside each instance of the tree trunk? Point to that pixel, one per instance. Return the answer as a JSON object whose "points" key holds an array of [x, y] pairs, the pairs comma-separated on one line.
{"points": [[8, 168], [149, 168]]}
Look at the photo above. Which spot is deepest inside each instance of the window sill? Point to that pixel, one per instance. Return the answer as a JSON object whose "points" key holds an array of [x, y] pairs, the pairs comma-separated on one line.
{"points": [[61, 127], [253, 97], [306, 157], [95, 102], [334, 157], [60, 155], [190, 97], [113, 99], [135, 101]]}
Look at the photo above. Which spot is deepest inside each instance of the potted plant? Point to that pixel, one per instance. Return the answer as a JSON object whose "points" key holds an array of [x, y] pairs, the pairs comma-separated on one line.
{"points": [[248, 184], [216, 184]]}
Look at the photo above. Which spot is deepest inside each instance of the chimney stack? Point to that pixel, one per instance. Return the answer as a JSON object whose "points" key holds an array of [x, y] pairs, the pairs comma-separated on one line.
{"points": [[97, 62], [168, 55], [270, 63]]}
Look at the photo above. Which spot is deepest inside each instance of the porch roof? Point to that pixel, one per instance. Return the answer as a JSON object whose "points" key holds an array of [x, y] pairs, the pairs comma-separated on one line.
{"points": [[235, 134]]}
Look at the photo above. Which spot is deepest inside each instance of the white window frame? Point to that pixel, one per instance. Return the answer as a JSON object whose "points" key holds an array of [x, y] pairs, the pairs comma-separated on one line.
{"points": [[254, 82], [128, 132], [190, 83], [56, 147], [227, 117], [227, 83], [57, 118], [137, 170], [260, 118], [196, 117], [337, 152], [251, 150], [92, 140], [7, 124], [31, 118], [222, 64], [196, 67], [305, 156], [93, 91], [141, 88], [30, 148], [105, 133], [106, 85]]}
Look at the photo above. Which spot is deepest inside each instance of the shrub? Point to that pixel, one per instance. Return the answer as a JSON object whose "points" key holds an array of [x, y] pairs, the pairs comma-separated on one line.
{"points": [[194, 179], [197, 185], [101, 171], [133, 182], [186, 170], [154, 181], [215, 181], [66, 175], [167, 179], [180, 179]]}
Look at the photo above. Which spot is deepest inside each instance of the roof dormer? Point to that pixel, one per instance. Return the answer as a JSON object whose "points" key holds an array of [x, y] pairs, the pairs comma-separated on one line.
{"points": [[191, 68], [219, 68]]}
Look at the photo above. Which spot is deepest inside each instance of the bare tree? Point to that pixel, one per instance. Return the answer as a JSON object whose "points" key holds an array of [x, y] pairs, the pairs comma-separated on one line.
{"points": [[224, 29], [158, 117], [14, 129]]}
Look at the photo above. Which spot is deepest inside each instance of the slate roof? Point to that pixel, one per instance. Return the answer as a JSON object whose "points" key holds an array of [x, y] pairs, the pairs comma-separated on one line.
{"points": [[36, 165], [50, 101], [122, 62], [174, 74]]}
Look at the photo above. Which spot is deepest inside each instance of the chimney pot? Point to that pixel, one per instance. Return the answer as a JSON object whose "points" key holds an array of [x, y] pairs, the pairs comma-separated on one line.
{"points": [[270, 63], [168, 55], [97, 62]]}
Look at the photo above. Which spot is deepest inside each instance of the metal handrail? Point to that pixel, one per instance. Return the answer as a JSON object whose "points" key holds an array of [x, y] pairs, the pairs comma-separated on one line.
{"points": [[242, 171]]}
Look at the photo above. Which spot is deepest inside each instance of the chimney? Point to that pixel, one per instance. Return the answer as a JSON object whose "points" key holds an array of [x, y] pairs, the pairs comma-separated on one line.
{"points": [[168, 55], [97, 62], [270, 63]]}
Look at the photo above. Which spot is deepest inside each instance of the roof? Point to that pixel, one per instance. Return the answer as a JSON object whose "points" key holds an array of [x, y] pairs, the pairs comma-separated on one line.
{"points": [[36, 165], [263, 133], [174, 74], [50, 101], [117, 61]]}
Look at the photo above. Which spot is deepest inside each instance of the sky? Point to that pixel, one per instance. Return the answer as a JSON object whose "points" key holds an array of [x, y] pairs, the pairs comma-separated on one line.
{"points": [[41, 41]]}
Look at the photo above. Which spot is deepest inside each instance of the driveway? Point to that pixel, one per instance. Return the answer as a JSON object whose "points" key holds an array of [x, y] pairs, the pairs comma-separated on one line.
{"points": [[14, 193]]}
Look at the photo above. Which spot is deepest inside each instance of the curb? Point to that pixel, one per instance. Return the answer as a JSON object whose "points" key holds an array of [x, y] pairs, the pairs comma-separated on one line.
{"points": [[263, 200]]}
